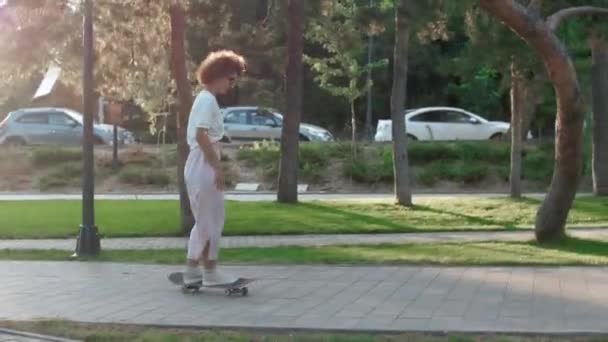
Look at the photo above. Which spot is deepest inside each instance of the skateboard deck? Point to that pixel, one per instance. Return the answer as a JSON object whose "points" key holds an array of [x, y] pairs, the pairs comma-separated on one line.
{"points": [[237, 287]]}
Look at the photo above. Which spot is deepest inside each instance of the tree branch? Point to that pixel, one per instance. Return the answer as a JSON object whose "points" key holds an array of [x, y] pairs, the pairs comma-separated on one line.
{"points": [[536, 32], [558, 17]]}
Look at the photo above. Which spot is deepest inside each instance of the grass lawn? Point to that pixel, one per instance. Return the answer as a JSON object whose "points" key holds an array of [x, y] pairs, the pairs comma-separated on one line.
{"points": [[569, 252], [107, 332], [60, 219]]}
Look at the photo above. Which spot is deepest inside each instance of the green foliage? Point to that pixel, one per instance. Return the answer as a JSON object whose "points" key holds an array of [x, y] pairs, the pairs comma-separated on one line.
{"points": [[314, 158], [460, 171], [260, 37], [139, 175], [370, 171], [340, 69], [481, 94], [538, 165], [458, 54], [64, 175], [466, 163], [48, 156]]}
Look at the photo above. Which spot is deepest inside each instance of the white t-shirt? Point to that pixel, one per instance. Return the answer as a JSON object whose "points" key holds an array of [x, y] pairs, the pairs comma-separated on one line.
{"points": [[205, 114]]}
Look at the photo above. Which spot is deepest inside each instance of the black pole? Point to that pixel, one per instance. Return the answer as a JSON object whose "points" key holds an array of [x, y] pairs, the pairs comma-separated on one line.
{"points": [[88, 239]]}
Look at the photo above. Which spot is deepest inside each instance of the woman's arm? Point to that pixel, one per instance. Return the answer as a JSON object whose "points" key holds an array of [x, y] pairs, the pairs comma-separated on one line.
{"points": [[206, 146]]}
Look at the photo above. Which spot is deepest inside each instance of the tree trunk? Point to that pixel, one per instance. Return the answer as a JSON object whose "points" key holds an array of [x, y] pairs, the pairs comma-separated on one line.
{"points": [[532, 98], [529, 99], [599, 48], [553, 213], [353, 119], [516, 127], [403, 192], [184, 93], [290, 136]]}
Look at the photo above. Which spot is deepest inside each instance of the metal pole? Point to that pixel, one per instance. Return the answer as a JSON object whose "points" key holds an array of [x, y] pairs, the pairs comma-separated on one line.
{"points": [[88, 239], [368, 114]]}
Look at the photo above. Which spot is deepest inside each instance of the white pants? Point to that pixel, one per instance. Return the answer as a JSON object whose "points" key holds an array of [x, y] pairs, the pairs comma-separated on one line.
{"points": [[207, 204]]}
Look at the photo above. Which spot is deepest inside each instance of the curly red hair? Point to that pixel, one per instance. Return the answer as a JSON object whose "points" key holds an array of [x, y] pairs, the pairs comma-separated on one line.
{"points": [[220, 64]]}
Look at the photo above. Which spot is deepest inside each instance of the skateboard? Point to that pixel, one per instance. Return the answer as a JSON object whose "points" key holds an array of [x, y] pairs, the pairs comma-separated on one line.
{"points": [[238, 287]]}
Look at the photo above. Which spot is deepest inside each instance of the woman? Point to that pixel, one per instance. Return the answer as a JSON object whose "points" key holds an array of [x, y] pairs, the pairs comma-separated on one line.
{"points": [[204, 178]]}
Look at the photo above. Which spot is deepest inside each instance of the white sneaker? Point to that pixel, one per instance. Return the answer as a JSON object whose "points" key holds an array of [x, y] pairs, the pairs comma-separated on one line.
{"points": [[218, 278], [192, 275]]}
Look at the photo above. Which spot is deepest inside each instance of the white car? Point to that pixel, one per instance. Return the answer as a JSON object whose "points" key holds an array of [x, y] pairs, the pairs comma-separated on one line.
{"points": [[444, 123], [256, 123]]}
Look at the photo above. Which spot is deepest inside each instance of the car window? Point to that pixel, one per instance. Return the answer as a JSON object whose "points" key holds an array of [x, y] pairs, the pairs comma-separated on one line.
{"points": [[434, 116], [259, 119], [456, 117], [59, 119], [236, 117], [34, 119]]}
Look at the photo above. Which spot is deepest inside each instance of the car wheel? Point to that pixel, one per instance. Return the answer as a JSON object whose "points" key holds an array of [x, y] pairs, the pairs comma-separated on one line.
{"points": [[411, 138], [497, 137], [15, 141], [304, 138]]}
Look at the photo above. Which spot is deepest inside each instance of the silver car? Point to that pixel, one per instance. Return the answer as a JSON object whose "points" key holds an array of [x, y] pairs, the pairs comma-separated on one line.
{"points": [[256, 123], [54, 126]]}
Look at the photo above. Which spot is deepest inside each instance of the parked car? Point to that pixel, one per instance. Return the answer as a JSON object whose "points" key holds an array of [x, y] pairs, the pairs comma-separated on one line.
{"points": [[256, 123], [444, 123], [54, 126]]}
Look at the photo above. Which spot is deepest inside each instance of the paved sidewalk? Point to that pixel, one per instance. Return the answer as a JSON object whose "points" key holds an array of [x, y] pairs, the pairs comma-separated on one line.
{"points": [[297, 240], [7, 335], [387, 298]]}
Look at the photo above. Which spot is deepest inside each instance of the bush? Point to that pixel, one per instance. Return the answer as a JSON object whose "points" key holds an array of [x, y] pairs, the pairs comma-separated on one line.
{"points": [[260, 154], [378, 167], [428, 152], [230, 176], [465, 162], [495, 152], [361, 171], [136, 155], [338, 150], [47, 156], [504, 172], [68, 174], [137, 175], [538, 166], [426, 178], [313, 159], [465, 172]]}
